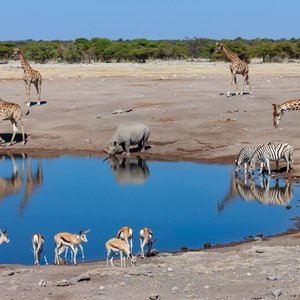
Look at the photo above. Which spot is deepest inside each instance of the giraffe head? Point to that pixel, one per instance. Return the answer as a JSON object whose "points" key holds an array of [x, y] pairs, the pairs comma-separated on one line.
{"points": [[278, 113], [220, 46], [16, 52]]}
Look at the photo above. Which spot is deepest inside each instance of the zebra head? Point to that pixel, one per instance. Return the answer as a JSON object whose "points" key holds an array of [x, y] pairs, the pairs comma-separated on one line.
{"points": [[278, 113], [251, 166], [237, 166]]}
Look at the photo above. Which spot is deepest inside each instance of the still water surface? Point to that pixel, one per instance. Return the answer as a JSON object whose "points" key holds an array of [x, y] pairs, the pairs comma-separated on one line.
{"points": [[184, 203]]}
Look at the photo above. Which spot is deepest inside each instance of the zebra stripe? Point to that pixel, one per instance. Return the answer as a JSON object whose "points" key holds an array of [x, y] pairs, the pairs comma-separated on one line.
{"points": [[274, 195], [273, 152], [244, 156]]}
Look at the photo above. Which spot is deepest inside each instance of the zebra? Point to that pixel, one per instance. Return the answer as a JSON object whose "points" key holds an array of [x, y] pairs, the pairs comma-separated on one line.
{"points": [[272, 152], [244, 156]]}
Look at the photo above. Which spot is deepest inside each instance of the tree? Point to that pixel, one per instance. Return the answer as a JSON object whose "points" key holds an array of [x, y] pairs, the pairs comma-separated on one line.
{"points": [[40, 52]]}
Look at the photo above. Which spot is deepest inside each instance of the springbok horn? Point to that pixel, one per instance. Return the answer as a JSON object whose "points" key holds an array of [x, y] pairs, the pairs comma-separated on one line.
{"points": [[88, 230]]}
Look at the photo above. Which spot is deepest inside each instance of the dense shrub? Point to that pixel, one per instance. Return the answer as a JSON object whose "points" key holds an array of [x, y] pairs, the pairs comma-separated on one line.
{"points": [[141, 50]]}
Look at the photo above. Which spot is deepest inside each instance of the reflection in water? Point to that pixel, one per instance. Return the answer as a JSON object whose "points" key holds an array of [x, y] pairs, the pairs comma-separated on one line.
{"points": [[249, 190], [33, 181], [14, 184], [70, 192], [129, 171]]}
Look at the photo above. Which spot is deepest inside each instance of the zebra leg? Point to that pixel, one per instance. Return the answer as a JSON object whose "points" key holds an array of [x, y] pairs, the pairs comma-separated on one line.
{"points": [[268, 166]]}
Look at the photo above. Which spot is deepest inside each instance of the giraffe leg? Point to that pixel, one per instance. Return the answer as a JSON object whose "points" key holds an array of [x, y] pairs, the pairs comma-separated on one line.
{"points": [[236, 85], [22, 129], [28, 90], [233, 81], [246, 80], [38, 90], [15, 130]]}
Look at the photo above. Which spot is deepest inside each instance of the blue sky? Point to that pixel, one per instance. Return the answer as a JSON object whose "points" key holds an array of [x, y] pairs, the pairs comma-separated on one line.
{"points": [[155, 19]]}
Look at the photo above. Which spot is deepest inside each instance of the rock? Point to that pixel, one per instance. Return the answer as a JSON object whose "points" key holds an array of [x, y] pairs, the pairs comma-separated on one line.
{"points": [[154, 297], [248, 274], [165, 254], [174, 290], [170, 270], [8, 273], [63, 282], [101, 287], [42, 283], [136, 272], [121, 111], [273, 277], [207, 245], [83, 277], [276, 293], [206, 287]]}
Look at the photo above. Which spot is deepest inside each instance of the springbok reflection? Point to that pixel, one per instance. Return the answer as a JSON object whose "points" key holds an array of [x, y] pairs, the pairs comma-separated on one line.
{"points": [[13, 184], [249, 190], [129, 171]]}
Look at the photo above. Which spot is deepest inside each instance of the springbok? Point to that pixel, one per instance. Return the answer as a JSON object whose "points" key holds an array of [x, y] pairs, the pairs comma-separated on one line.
{"points": [[146, 238], [126, 234], [38, 247], [64, 240], [116, 245], [4, 236]]}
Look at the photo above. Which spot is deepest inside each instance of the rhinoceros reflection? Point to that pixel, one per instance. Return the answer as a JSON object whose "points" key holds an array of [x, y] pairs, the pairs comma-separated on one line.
{"points": [[14, 183], [249, 190], [129, 171]]}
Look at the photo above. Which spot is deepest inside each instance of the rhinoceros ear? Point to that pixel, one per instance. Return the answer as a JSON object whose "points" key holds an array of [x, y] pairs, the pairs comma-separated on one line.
{"points": [[115, 143]]}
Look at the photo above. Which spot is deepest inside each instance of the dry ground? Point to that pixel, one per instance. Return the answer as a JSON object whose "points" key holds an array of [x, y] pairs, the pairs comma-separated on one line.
{"points": [[190, 118]]}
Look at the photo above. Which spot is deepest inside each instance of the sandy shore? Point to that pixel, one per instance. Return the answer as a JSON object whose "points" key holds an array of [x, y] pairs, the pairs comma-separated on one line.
{"points": [[190, 118]]}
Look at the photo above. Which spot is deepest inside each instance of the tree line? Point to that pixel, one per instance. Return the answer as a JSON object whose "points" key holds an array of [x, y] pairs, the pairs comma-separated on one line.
{"points": [[83, 50]]}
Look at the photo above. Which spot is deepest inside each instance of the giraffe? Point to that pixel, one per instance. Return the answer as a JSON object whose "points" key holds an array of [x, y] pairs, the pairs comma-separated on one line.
{"points": [[281, 109], [12, 111], [237, 66], [30, 76]]}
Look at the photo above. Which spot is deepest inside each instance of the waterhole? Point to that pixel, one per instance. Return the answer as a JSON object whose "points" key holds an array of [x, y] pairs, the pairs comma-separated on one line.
{"points": [[185, 204]]}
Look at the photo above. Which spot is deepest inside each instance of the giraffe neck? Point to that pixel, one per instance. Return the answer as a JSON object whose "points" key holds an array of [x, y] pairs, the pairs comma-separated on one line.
{"points": [[294, 105], [231, 56], [25, 65]]}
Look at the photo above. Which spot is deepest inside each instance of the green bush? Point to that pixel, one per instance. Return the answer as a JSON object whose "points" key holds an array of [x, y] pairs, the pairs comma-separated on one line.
{"points": [[141, 50]]}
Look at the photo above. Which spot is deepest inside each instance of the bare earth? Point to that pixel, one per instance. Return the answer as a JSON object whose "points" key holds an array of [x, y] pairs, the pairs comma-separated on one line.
{"points": [[190, 118]]}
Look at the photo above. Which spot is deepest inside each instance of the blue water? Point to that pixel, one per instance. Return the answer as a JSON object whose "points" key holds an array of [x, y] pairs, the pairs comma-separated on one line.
{"points": [[179, 201]]}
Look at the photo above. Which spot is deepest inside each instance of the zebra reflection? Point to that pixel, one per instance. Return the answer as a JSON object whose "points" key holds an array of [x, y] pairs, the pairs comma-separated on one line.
{"points": [[247, 189]]}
